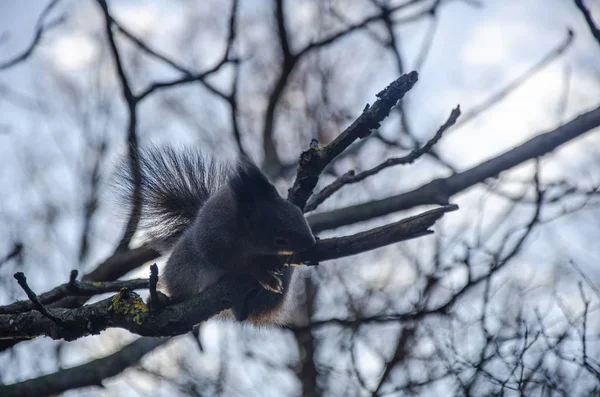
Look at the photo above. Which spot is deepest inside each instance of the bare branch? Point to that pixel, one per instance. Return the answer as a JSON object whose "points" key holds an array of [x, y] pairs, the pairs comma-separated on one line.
{"points": [[89, 374], [14, 253], [22, 280], [272, 163], [188, 78], [518, 81], [41, 29], [132, 138], [439, 191], [349, 177], [111, 269], [400, 354], [357, 26], [127, 310], [118, 265], [153, 284], [75, 288], [125, 86], [339, 247], [314, 160], [147, 49]]}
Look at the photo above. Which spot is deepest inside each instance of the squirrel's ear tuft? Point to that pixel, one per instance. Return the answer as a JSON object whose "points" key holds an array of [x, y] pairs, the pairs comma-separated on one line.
{"points": [[249, 183]]}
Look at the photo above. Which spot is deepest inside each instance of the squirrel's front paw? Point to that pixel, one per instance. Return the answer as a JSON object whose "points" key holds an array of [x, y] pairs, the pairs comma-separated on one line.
{"points": [[272, 281]]}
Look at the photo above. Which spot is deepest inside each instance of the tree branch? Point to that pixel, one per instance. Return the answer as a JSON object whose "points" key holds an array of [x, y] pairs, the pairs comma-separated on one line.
{"points": [[513, 85], [76, 288], [339, 247], [349, 177], [22, 280], [40, 30], [112, 268], [272, 163], [312, 161], [132, 101], [127, 310], [89, 374], [439, 191]]}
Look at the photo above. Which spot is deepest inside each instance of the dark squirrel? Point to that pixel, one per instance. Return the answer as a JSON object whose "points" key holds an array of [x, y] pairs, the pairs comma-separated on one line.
{"points": [[217, 220]]}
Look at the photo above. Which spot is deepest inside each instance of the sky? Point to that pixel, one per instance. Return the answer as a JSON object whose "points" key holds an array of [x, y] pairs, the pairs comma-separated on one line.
{"points": [[476, 53]]}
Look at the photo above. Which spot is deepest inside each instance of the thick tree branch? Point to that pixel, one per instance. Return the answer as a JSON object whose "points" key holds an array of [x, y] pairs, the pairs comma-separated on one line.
{"points": [[89, 374], [409, 228], [497, 262], [439, 191], [111, 269], [315, 159], [350, 177], [127, 310]]}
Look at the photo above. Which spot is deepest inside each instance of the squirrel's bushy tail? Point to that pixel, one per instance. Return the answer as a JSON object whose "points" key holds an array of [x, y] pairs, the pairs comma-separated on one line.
{"points": [[175, 184]]}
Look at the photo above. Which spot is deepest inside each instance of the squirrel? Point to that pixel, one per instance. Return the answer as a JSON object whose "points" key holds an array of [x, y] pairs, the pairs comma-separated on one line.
{"points": [[217, 220]]}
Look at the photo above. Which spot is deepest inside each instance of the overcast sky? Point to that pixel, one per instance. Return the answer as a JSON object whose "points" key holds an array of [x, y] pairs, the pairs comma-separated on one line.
{"points": [[476, 52]]}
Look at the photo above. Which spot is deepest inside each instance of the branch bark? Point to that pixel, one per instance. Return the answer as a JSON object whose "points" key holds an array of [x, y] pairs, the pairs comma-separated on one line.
{"points": [[314, 160], [439, 191], [89, 374], [111, 269], [350, 177], [77, 288], [127, 310]]}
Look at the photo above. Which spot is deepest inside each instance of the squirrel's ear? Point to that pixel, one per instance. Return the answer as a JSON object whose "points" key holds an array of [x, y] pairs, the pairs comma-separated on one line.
{"points": [[249, 184]]}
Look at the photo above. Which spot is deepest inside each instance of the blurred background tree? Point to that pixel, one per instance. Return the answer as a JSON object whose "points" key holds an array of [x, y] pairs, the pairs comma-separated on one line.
{"points": [[501, 301]]}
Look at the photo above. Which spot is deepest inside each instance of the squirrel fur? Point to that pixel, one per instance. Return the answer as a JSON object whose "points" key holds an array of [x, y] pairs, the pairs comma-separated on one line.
{"points": [[217, 220]]}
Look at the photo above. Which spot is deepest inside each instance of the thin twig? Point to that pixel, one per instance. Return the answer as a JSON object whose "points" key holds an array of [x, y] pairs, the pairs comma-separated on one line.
{"points": [[586, 278], [74, 288], [153, 284], [350, 177], [22, 280], [144, 47], [439, 191], [40, 30], [16, 251], [517, 82], [132, 101]]}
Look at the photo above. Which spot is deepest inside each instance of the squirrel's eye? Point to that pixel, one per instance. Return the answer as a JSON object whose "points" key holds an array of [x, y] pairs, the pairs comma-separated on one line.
{"points": [[281, 242]]}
